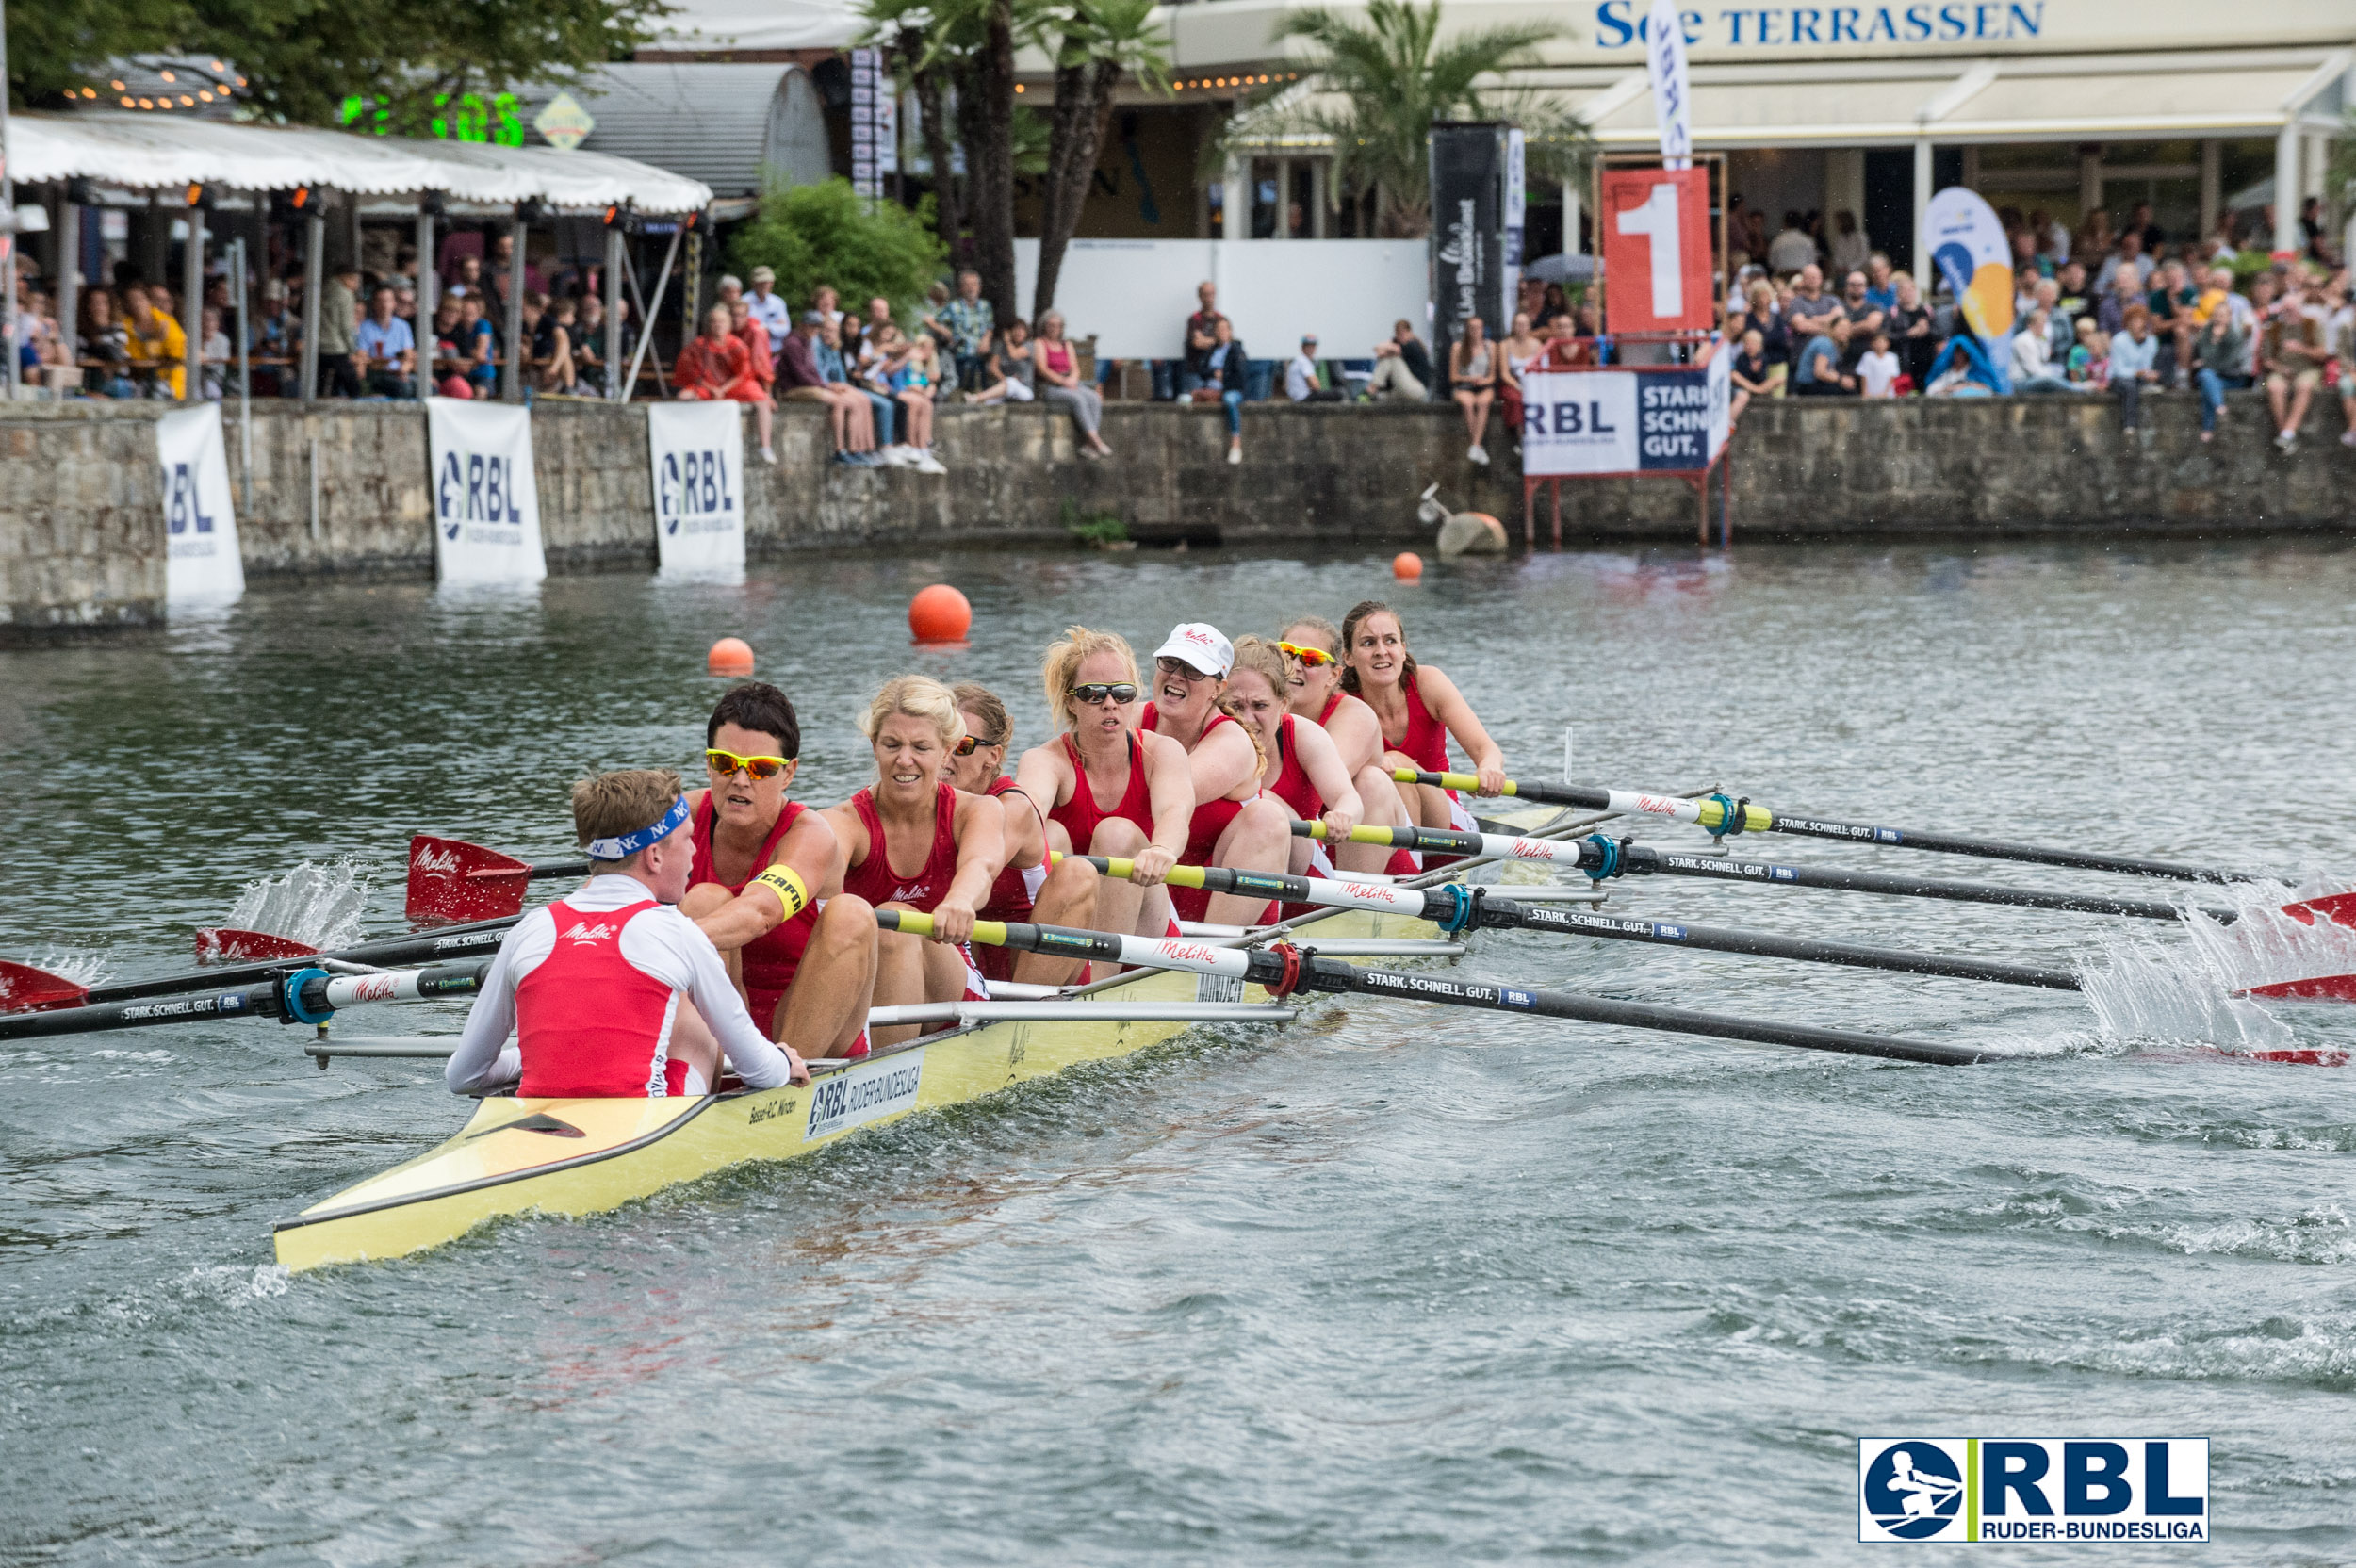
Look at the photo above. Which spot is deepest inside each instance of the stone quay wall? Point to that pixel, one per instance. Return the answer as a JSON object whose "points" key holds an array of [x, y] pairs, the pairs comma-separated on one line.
{"points": [[343, 488]]}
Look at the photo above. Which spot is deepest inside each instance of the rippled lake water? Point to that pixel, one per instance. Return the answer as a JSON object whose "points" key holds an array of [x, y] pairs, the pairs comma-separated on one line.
{"points": [[1394, 1286]]}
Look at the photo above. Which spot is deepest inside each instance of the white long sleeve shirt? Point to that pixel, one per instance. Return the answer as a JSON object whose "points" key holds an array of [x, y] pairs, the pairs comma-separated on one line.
{"points": [[661, 943]]}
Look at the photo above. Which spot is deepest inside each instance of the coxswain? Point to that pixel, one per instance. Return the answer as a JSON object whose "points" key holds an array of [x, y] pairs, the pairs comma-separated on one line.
{"points": [[1312, 649], [1420, 709], [1106, 788], [768, 882], [1300, 765], [1028, 888], [610, 991], [912, 840], [1232, 826]]}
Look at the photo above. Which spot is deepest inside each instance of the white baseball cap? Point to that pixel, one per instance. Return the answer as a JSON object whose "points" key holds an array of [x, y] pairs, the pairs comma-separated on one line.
{"points": [[1201, 645]]}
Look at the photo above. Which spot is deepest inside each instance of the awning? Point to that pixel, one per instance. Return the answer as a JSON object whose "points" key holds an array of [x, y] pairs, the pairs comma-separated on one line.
{"points": [[742, 26], [156, 151]]}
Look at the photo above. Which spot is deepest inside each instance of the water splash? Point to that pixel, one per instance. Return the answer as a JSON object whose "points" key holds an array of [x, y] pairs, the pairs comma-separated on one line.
{"points": [[316, 903], [2146, 991], [2263, 946]]}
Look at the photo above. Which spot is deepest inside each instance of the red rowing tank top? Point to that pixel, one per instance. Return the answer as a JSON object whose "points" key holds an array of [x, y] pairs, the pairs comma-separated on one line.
{"points": [[1010, 895], [1080, 814], [1210, 819], [591, 1024], [768, 961], [1292, 784], [1332, 702], [1425, 740], [873, 880]]}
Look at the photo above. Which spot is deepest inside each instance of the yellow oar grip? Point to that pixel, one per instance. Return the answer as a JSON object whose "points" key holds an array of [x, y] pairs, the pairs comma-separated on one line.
{"points": [[1358, 835], [1180, 876], [1452, 780], [989, 933], [1712, 815]]}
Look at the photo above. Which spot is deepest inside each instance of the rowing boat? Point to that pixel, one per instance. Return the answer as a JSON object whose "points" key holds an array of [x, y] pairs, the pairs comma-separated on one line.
{"points": [[585, 1156]]}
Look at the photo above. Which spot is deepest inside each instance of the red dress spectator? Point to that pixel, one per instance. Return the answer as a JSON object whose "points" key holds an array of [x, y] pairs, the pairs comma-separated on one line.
{"points": [[708, 372]]}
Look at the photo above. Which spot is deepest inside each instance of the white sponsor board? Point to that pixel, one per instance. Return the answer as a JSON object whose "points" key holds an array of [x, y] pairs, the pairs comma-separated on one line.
{"points": [[860, 1094], [1579, 423], [486, 499], [698, 452], [201, 561]]}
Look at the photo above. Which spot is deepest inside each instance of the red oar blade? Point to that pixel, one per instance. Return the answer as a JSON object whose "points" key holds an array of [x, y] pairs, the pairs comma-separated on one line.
{"points": [[2339, 908], [451, 881], [2323, 988], [26, 989], [2304, 1056], [226, 944]]}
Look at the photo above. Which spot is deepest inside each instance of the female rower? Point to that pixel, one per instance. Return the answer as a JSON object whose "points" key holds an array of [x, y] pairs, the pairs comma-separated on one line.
{"points": [[1300, 766], [1232, 826], [1420, 709], [1312, 648], [1027, 888], [1106, 788], [912, 840]]}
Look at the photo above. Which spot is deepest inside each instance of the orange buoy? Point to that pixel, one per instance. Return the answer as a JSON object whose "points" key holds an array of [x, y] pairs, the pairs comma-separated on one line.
{"points": [[1407, 566], [939, 615], [730, 655]]}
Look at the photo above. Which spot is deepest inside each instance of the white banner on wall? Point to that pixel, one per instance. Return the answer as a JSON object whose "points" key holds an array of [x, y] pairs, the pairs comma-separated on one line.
{"points": [[1626, 422], [697, 455], [200, 562], [487, 499]]}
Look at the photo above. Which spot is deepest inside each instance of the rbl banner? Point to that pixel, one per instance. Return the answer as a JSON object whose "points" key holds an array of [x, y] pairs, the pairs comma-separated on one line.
{"points": [[201, 561], [1597, 422], [486, 498], [1655, 250], [698, 453]]}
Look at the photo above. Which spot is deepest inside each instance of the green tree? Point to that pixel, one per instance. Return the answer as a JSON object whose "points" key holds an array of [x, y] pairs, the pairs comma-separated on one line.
{"points": [[1373, 88], [302, 58], [1095, 42], [829, 234]]}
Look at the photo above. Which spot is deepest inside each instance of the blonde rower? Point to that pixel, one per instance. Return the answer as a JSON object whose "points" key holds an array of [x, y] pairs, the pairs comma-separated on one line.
{"points": [[1027, 888], [1300, 766], [1107, 789], [1420, 709], [912, 840], [1312, 649]]}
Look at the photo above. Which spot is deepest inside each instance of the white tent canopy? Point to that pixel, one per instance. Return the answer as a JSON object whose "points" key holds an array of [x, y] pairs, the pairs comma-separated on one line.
{"points": [[156, 151], [748, 26]]}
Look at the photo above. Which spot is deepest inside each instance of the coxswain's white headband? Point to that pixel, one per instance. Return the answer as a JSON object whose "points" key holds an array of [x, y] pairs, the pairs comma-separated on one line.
{"points": [[625, 845]]}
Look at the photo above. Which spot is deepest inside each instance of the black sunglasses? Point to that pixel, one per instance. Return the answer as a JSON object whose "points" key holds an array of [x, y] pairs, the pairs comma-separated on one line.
{"points": [[1121, 692]]}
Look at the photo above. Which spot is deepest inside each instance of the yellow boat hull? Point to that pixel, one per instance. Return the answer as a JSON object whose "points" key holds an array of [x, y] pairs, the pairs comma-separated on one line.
{"points": [[585, 1156]]}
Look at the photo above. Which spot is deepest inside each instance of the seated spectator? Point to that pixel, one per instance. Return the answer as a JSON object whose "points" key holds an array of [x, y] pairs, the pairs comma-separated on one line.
{"points": [[1960, 371], [970, 326], [2171, 301], [589, 346], [2292, 352], [477, 346], [913, 376], [1228, 363], [1009, 375], [828, 303], [1877, 370], [1472, 378], [755, 337], [1058, 368], [155, 344], [715, 367], [797, 376], [554, 351], [825, 353], [2220, 364], [1521, 349], [1565, 349], [2088, 364], [1817, 372], [1403, 366], [1792, 250], [2339, 329], [449, 378], [2032, 356], [1750, 374], [838, 356], [386, 348], [2070, 294], [2134, 366], [1194, 369], [1557, 308], [1303, 381]]}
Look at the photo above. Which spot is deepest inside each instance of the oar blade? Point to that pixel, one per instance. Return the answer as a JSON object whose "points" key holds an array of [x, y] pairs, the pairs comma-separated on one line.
{"points": [[227, 944], [451, 881], [2325, 988], [24, 988], [2339, 908]]}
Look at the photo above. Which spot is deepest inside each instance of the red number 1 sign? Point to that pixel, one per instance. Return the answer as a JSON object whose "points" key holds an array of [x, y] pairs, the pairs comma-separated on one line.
{"points": [[1655, 250]]}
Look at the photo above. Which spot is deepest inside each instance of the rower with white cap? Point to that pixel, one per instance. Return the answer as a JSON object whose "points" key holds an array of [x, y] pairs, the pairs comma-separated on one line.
{"points": [[610, 992], [1234, 825]]}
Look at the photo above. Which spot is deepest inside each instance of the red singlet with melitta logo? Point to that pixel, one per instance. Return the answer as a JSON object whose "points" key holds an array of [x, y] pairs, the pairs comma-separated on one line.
{"points": [[873, 880], [592, 1024], [770, 960]]}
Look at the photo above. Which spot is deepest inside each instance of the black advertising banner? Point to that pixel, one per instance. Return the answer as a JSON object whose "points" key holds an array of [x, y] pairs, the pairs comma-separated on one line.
{"points": [[1471, 272]]}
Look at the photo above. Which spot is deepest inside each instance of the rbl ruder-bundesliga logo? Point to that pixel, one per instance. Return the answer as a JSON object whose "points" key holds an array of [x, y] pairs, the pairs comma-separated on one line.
{"points": [[1948, 1489]]}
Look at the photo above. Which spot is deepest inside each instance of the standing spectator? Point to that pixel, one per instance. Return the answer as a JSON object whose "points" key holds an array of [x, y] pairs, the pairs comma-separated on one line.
{"points": [[1881, 289], [386, 348], [1865, 317], [715, 367], [2069, 292], [1849, 245], [1792, 250], [2032, 356], [2128, 257], [2340, 338], [1557, 308], [156, 343], [2125, 291], [2135, 368], [1303, 381], [1403, 368], [2148, 234], [273, 341], [1810, 309], [1472, 378], [1202, 339], [1909, 329], [1877, 370], [1750, 374], [2292, 352], [1058, 366], [468, 279], [797, 378], [217, 352], [972, 326], [1817, 372], [2220, 364], [339, 311], [767, 308], [1228, 363], [1765, 317]]}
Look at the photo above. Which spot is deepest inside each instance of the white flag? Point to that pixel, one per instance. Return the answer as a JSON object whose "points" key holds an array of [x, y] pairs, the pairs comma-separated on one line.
{"points": [[200, 562], [487, 499], [1671, 99], [698, 452]]}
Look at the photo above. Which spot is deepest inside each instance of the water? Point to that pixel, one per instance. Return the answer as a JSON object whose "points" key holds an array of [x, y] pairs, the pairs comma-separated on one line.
{"points": [[1394, 1286]]}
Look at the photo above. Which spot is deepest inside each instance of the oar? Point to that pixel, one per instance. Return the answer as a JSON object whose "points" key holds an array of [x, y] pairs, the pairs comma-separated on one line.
{"points": [[450, 879], [1601, 858], [305, 996], [1722, 817], [1454, 908], [1284, 969], [27, 989]]}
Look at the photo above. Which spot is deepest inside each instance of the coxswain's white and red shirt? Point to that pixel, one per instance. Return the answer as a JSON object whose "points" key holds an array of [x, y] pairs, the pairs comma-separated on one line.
{"points": [[591, 988]]}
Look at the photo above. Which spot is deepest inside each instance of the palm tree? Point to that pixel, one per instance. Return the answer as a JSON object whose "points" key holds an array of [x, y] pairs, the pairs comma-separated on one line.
{"points": [[1102, 40], [1379, 85]]}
